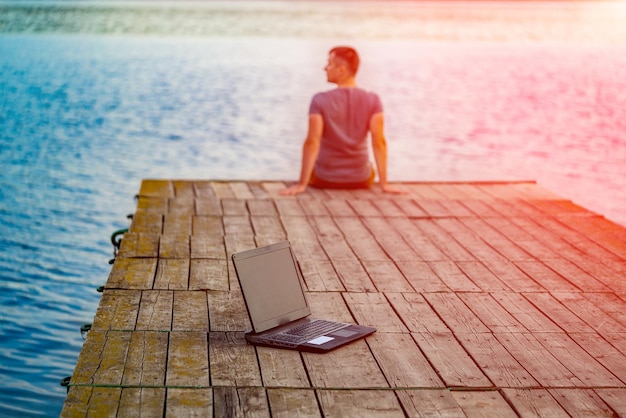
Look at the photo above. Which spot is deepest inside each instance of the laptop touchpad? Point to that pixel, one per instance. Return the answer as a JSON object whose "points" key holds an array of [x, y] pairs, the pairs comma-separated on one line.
{"points": [[343, 333]]}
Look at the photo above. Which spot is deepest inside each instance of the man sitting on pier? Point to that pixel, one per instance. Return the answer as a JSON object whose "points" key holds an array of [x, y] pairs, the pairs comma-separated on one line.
{"points": [[335, 152]]}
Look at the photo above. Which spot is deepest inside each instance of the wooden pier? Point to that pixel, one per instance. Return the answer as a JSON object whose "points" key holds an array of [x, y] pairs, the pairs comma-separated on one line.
{"points": [[490, 299]]}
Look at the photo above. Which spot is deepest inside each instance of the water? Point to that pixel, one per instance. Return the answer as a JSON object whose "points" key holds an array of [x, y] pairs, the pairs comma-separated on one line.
{"points": [[96, 96]]}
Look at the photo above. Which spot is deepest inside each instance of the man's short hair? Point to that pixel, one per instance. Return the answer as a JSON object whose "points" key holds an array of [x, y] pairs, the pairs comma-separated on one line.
{"points": [[349, 55]]}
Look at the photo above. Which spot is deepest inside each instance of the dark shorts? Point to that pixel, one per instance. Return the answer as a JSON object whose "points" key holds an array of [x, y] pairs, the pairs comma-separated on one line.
{"points": [[323, 184]]}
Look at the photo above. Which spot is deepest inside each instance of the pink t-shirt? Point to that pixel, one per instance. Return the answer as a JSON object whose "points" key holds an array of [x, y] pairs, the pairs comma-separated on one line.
{"points": [[343, 155]]}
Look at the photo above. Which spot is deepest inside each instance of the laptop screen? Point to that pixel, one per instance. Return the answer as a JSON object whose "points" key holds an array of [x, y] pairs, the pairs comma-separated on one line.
{"points": [[270, 281]]}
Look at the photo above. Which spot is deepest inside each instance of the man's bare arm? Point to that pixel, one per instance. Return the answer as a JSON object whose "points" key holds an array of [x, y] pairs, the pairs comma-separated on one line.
{"points": [[310, 150], [379, 146]]}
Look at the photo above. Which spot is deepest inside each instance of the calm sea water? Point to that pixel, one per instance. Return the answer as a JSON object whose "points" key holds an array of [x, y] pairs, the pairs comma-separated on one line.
{"points": [[96, 96]]}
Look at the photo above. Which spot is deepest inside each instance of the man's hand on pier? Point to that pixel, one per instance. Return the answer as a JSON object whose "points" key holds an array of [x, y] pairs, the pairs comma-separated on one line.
{"points": [[293, 190]]}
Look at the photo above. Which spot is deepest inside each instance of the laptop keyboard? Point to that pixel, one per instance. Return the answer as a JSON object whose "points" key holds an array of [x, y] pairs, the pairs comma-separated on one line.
{"points": [[306, 331]]}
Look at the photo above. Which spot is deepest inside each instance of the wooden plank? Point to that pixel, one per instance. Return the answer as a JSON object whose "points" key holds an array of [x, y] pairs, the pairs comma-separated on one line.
{"points": [[183, 189], [477, 247], [493, 238], [457, 316], [339, 207], [491, 313], [110, 369], [482, 277], [328, 370], [118, 310], [546, 277], [190, 311], [273, 188], [578, 361], [174, 246], [339, 248], [286, 403], [155, 310], [269, 226], [320, 276], [483, 403], [282, 368], [147, 358], [402, 362], [137, 402], [610, 303], [525, 312], [208, 207], [147, 221], [495, 361], [156, 188], [289, 207], [139, 245], [359, 403], [326, 227], [197, 402], [103, 402], [615, 398], [603, 352], [297, 227], [237, 225], [373, 309], [353, 276], [208, 274], [234, 207], [187, 359], [77, 401], [365, 208], [233, 361], [410, 208], [258, 190], [183, 207], [207, 246], [203, 189], [421, 276], [207, 226], [453, 364], [429, 241], [329, 305], [590, 312], [513, 276], [172, 274], [314, 207], [558, 313], [391, 241], [582, 402], [132, 273], [240, 402], [453, 276], [241, 190], [89, 359], [386, 276], [388, 207], [262, 207], [534, 357], [222, 190], [429, 403], [577, 276], [534, 402], [227, 311], [177, 224], [607, 234], [416, 313]]}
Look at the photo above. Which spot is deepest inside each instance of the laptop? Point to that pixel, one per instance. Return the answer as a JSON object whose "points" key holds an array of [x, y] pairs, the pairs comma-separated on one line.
{"points": [[271, 282]]}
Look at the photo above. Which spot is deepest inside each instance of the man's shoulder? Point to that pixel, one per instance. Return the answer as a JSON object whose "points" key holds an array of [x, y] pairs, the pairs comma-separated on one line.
{"points": [[340, 92]]}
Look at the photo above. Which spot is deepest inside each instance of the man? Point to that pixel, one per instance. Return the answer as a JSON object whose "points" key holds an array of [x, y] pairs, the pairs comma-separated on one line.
{"points": [[335, 152]]}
